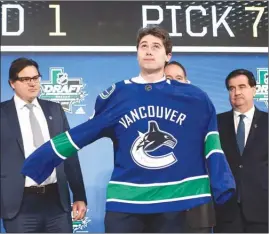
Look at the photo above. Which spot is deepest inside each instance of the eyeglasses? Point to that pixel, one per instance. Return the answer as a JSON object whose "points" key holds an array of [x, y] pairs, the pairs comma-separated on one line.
{"points": [[27, 80]]}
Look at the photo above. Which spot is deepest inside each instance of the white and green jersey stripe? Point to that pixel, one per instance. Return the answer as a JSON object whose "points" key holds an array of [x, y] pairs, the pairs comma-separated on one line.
{"points": [[212, 144], [194, 187], [64, 146]]}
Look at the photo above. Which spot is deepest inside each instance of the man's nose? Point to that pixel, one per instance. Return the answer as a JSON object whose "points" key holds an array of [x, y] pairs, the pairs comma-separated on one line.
{"points": [[148, 52], [32, 82], [237, 91]]}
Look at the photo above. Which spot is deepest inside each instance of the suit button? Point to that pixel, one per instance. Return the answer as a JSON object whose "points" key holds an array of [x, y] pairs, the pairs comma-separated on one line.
{"points": [[240, 166]]}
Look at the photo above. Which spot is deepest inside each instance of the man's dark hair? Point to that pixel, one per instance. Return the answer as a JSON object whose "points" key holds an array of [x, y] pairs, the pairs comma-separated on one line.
{"points": [[157, 32], [18, 65], [237, 72], [178, 64]]}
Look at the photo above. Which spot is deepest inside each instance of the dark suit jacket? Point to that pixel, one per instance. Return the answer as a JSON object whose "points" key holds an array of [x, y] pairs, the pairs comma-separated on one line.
{"points": [[12, 158], [201, 216], [250, 170]]}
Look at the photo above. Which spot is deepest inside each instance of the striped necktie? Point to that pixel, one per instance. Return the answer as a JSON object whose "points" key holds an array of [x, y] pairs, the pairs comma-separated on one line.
{"points": [[240, 135]]}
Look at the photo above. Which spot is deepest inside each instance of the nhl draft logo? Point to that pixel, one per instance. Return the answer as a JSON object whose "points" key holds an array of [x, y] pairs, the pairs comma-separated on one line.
{"points": [[81, 225], [67, 91], [262, 86], [146, 144]]}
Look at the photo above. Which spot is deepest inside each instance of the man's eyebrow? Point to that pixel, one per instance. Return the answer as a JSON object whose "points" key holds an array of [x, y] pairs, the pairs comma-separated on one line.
{"points": [[147, 42], [143, 42]]}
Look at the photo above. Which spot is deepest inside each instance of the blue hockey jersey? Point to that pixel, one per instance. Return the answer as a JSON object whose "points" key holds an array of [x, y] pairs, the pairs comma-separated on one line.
{"points": [[167, 153]]}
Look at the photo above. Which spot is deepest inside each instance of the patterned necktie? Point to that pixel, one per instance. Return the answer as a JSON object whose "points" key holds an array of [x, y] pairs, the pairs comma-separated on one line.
{"points": [[240, 135], [36, 129]]}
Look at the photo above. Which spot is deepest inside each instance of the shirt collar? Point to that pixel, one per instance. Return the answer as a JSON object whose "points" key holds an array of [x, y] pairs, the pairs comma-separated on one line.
{"points": [[19, 103], [140, 80], [249, 114]]}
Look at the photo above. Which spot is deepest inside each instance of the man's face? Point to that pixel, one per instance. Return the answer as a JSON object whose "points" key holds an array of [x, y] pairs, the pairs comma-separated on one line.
{"points": [[240, 93], [151, 54], [27, 90], [174, 72]]}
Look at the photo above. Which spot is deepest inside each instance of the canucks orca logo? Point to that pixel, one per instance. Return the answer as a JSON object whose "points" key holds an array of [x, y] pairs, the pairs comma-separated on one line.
{"points": [[149, 142]]}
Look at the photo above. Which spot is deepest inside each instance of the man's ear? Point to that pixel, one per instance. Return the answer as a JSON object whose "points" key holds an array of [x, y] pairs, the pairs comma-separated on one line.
{"points": [[254, 90], [168, 57], [11, 84]]}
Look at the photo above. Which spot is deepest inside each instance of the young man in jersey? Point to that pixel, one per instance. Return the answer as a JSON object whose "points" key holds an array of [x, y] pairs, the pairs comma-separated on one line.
{"points": [[163, 132]]}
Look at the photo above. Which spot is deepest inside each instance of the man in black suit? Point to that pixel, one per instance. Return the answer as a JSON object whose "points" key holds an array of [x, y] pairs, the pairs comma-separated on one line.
{"points": [[244, 139], [26, 123], [199, 219], [176, 71]]}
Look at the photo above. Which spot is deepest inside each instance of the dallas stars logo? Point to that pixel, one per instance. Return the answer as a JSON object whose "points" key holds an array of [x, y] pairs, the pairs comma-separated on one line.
{"points": [[62, 89], [80, 225], [262, 86]]}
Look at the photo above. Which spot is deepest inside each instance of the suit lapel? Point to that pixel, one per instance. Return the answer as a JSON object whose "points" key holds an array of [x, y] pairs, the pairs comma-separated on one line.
{"points": [[231, 133], [12, 118], [253, 129], [48, 114]]}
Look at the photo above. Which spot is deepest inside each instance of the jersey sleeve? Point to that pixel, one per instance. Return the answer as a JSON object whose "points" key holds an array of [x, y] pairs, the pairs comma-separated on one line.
{"points": [[106, 104], [221, 178], [40, 164]]}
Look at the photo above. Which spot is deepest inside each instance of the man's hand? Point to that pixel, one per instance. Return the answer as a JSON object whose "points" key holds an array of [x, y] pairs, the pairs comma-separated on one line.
{"points": [[79, 210]]}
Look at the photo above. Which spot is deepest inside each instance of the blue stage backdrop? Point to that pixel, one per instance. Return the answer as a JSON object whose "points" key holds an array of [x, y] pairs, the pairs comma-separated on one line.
{"points": [[84, 75]]}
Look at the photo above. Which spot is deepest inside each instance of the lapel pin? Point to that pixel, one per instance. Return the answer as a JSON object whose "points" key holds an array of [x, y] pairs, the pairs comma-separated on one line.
{"points": [[50, 117]]}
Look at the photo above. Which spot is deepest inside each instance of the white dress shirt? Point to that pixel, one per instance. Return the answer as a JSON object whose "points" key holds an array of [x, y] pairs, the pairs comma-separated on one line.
{"points": [[140, 80], [247, 121], [27, 135]]}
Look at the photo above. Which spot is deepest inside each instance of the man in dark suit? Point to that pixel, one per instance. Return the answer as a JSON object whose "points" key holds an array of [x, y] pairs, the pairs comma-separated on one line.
{"points": [[176, 71], [199, 219], [244, 139], [26, 123]]}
